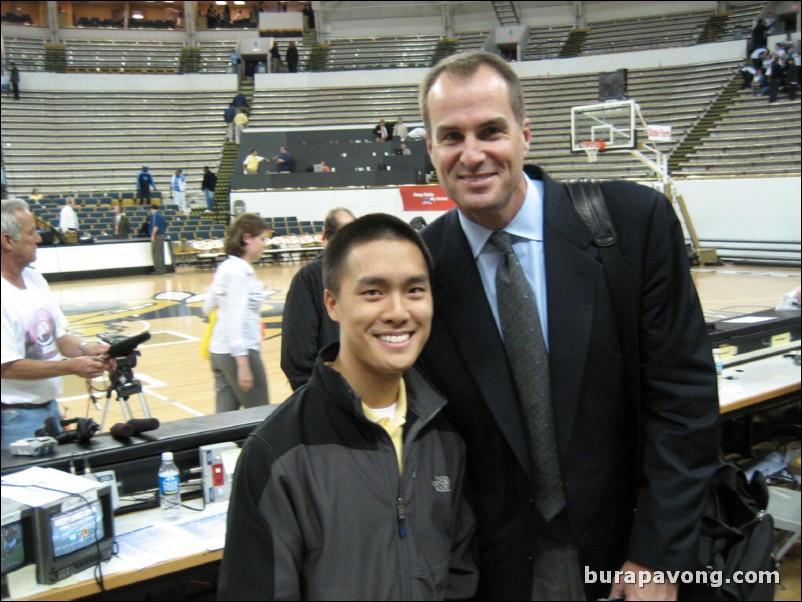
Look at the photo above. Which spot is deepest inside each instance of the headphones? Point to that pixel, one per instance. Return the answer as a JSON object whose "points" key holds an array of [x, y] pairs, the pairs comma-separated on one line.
{"points": [[85, 429]]}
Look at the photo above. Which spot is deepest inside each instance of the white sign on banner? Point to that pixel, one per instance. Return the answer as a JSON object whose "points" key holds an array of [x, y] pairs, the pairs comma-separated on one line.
{"points": [[659, 133]]}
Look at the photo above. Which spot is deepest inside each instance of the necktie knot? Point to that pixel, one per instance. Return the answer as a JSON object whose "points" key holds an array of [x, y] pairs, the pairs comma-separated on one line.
{"points": [[502, 241]]}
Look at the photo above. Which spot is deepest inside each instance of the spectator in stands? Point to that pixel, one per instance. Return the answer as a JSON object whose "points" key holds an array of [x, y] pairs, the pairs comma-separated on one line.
{"points": [[226, 15], [792, 77], [400, 129], [228, 116], [759, 35], [306, 327], [178, 186], [144, 229], [250, 165], [122, 225], [774, 75], [240, 102], [757, 57], [5, 83], [275, 59], [14, 79], [324, 167], [212, 16], [234, 58], [382, 133], [208, 185], [405, 150], [237, 294], [240, 123], [759, 84], [285, 161], [35, 195], [239, 16], [143, 182], [292, 58], [748, 76], [34, 334], [309, 17], [68, 219], [157, 226]]}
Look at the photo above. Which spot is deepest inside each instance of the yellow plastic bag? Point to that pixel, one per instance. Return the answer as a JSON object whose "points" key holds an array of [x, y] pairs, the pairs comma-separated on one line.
{"points": [[207, 335]]}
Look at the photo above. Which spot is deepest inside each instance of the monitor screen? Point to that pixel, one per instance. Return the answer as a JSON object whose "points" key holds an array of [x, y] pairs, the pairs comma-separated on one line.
{"points": [[76, 529], [13, 546]]}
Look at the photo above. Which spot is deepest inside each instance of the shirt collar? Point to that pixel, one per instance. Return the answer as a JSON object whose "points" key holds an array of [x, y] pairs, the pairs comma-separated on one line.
{"points": [[527, 223]]}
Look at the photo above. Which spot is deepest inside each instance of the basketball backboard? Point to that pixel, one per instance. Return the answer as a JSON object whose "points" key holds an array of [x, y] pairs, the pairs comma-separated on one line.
{"points": [[609, 125]]}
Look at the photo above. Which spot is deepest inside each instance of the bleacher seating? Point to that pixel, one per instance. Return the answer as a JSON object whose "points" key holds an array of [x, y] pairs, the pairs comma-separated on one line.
{"points": [[381, 52], [123, 55], [101, 148], [215, 55], [742, 18], [753, 138], [27, 53], [646, 33]]}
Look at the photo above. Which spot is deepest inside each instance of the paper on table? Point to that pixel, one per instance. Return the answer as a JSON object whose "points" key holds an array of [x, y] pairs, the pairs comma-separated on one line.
{"points": [[157, 543], [37, 486], [749, 320]]}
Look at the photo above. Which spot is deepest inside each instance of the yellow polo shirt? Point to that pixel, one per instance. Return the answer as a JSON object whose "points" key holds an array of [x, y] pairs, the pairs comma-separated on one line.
{"points": [[395, 425]]}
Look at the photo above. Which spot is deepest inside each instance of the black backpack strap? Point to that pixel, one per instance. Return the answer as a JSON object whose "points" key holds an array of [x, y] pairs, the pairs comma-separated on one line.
{"points": [[588, 200]]}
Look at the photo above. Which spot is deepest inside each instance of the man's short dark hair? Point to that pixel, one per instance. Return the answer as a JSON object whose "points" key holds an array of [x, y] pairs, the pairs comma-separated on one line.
{"points": [[246, 223], [464, 65], [332, 222], [366, 229], [154, 206]]}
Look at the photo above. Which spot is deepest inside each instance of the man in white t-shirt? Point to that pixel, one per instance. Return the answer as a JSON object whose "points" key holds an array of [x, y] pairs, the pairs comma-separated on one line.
{"points": [[68, 219], [34, 335]]}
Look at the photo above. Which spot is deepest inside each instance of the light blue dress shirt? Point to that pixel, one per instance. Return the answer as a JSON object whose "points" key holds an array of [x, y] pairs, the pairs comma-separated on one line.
{"points": [[526, 230]]}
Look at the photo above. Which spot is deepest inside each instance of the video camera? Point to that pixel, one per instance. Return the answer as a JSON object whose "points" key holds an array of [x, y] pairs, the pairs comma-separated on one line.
{"points": [[123, 350]]}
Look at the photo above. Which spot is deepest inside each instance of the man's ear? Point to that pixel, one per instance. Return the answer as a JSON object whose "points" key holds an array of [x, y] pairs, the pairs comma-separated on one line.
{"points": [[330, 301]]}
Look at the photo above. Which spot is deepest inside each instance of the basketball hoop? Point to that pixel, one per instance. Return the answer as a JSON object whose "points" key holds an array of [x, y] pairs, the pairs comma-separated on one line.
{"points": [[592, 148]]}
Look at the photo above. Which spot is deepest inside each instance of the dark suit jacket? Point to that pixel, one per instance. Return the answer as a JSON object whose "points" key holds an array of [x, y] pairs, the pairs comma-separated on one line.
{"points": [[124, 227], [595, 423], [377, 132]]}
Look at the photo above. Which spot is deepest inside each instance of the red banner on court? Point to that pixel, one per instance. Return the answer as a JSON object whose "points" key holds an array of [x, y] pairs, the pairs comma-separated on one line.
{"points": [[425, 198]]}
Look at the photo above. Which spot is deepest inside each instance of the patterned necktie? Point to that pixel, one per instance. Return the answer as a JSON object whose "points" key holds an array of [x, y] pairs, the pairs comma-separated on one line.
{"points": [[529, 360]]}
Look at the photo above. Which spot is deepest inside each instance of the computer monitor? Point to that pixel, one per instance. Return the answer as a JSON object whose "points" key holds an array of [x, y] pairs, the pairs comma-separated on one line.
{"points": [[17, 535], [317, 168]]}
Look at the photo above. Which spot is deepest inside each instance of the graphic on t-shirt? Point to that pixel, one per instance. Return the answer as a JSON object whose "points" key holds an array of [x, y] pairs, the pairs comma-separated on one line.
{"points": [[40, 340]]}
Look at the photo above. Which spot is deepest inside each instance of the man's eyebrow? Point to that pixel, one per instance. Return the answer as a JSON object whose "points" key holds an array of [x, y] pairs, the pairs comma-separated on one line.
{"points": [[379, 280], [495, 121]]}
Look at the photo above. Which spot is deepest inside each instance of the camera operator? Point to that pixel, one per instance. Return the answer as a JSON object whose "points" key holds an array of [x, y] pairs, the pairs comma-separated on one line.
{"points": [[34, 336]]}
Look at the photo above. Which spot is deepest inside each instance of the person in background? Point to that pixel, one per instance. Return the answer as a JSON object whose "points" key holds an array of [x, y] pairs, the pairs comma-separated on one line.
{"points": [[178, 185], [514, 250], [306, 326], [250, 165], [35, 195], [240, 123], [68, 218], [228, 117], [157, 228], [144, 181], [292, 57], [353, 488], [122, 225], [400, 129], [208, 185], [382, 132], [34, 334], [285, 161], [275, 59], [14, 79], [237, 295]]}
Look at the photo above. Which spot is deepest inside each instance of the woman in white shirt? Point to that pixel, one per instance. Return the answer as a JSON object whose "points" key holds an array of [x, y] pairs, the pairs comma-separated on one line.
{"points": [[236, 343]]}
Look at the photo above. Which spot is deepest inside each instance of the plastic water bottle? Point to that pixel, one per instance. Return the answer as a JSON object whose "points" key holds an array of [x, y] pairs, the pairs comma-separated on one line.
{"points": [[169, 488], [718, 361]]}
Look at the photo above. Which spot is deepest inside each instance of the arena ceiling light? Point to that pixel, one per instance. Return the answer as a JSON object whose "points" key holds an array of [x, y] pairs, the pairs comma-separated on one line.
{"points": [[137, 14]]}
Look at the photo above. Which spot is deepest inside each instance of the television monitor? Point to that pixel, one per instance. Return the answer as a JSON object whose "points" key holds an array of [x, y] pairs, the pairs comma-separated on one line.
{"points": [[17, 536], [73, 533]]}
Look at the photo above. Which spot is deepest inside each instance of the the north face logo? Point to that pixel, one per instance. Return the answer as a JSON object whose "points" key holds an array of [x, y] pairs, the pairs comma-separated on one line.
{"points": [[442, 484]]}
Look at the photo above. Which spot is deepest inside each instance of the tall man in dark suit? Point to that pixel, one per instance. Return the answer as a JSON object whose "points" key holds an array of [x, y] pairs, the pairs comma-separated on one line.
{"points": [[617, 513]]}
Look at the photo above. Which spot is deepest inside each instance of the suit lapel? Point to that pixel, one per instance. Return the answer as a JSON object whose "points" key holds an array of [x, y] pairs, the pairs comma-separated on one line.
{"points": [[470, 321]]}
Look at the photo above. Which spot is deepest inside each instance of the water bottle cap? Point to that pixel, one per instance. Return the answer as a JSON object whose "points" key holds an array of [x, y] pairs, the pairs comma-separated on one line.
{"points": [[167, 456]]}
